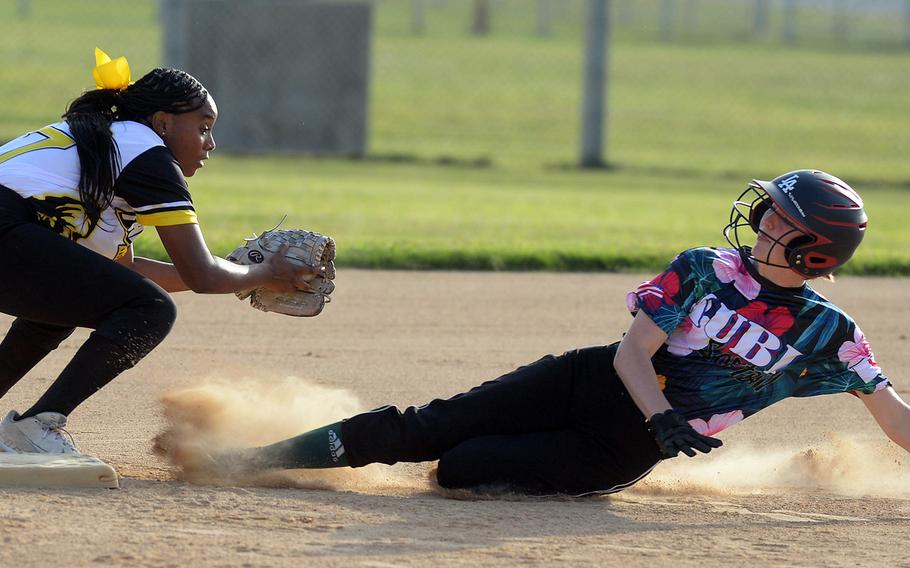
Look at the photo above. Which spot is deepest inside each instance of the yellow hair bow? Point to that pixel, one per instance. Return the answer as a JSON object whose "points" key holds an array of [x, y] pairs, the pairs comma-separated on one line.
{"points": [[110, 74]]}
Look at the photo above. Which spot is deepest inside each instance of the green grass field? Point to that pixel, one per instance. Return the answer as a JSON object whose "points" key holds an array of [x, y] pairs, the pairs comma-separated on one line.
{"points": [[472, 139], [425, 216]]}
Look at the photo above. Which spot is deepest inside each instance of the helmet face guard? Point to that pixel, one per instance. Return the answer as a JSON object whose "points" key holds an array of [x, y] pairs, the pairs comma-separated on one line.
{"points": [[825, 215], [747, 211]]}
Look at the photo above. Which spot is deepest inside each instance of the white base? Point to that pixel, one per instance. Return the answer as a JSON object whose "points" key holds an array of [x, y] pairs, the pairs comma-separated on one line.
{"points": [[55, 470]]}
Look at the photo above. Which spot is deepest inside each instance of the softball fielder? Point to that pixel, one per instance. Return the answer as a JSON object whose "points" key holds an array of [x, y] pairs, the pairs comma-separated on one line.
{"points": [[718, 336], [73, 197]]}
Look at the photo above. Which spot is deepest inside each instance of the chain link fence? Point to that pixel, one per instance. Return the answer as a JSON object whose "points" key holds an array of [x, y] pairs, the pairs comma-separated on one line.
{"points": [[855, 23], [474, 81]]}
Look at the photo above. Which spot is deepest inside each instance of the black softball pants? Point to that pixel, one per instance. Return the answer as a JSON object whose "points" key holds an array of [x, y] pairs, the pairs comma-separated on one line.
{"points": [[560, 425], [52, 285]]}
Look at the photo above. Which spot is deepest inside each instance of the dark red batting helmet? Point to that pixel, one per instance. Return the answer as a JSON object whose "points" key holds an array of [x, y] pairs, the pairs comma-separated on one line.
{"points": [[825, 213]]}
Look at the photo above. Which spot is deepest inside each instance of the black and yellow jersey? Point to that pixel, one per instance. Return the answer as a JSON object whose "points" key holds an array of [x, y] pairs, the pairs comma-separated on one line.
{"points": [[150, 190]]}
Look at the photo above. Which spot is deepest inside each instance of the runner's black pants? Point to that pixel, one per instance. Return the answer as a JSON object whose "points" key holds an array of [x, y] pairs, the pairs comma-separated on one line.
{"points": [[559, 425], [52, 285]]}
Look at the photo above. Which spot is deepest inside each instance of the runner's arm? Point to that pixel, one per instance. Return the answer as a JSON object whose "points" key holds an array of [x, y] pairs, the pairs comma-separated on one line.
{"points": [[891, 413], [634, 367]]}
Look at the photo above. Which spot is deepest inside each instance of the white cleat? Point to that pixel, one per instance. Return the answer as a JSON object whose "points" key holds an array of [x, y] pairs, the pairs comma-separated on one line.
{"points": [[43, 434]]}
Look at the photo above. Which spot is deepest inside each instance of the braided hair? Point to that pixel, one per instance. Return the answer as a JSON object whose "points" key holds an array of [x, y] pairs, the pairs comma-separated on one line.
{"points": [[90, 117]]}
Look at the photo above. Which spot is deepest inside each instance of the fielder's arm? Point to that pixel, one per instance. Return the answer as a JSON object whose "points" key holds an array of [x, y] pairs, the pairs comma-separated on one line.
{"points": [[206, 273], [891, 413], [163, 274]]}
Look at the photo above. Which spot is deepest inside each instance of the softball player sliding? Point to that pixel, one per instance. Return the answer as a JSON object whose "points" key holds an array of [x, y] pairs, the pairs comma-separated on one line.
{"points": [[73, 196], [718, 336]]}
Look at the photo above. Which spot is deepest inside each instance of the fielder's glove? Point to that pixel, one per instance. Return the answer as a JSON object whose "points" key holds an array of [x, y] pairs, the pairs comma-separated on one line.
{"points": [[305, 248], [673, 435]]}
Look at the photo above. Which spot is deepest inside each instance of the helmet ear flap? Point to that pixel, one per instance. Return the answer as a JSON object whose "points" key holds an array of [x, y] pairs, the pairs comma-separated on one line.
{"points": [[793, 255], [758, 211]]}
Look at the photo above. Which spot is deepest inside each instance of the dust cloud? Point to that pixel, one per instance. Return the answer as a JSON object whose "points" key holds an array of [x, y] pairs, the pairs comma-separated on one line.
{"points": [[841, 464], [221, 415]]}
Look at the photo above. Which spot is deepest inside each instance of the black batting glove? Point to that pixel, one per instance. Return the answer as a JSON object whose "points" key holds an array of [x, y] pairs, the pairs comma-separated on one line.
{"points": [[673, 435]]}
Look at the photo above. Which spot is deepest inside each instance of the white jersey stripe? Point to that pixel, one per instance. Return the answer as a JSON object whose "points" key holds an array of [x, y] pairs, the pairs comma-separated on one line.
{"points": [[172, 204]]}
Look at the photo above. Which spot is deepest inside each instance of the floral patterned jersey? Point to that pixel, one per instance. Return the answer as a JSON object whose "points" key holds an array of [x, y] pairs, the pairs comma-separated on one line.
{"points": [[738, 343]]}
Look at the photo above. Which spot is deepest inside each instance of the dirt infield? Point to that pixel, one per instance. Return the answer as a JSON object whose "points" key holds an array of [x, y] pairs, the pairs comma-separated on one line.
{"points": [[804, 483]]}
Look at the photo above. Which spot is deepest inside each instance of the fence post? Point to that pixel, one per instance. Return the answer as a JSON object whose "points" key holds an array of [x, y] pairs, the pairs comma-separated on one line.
{"points": [[667, 15], [418, 21], [597, 31], [840, 20], [173, 27], [690, 17], [789, 19], [907, 23], [544, 17], [759, 17], [480, 22]]}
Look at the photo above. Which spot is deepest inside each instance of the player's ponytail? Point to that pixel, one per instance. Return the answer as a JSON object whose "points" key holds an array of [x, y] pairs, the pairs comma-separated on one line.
{"points": [[90, 117]]}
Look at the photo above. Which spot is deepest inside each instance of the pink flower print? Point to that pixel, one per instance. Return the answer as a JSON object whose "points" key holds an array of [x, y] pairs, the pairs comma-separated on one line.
{"points": [[858, 356], [632, 302], [729, 267], [716, 423], [853, 351], [658, 291], [686, 338]]}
